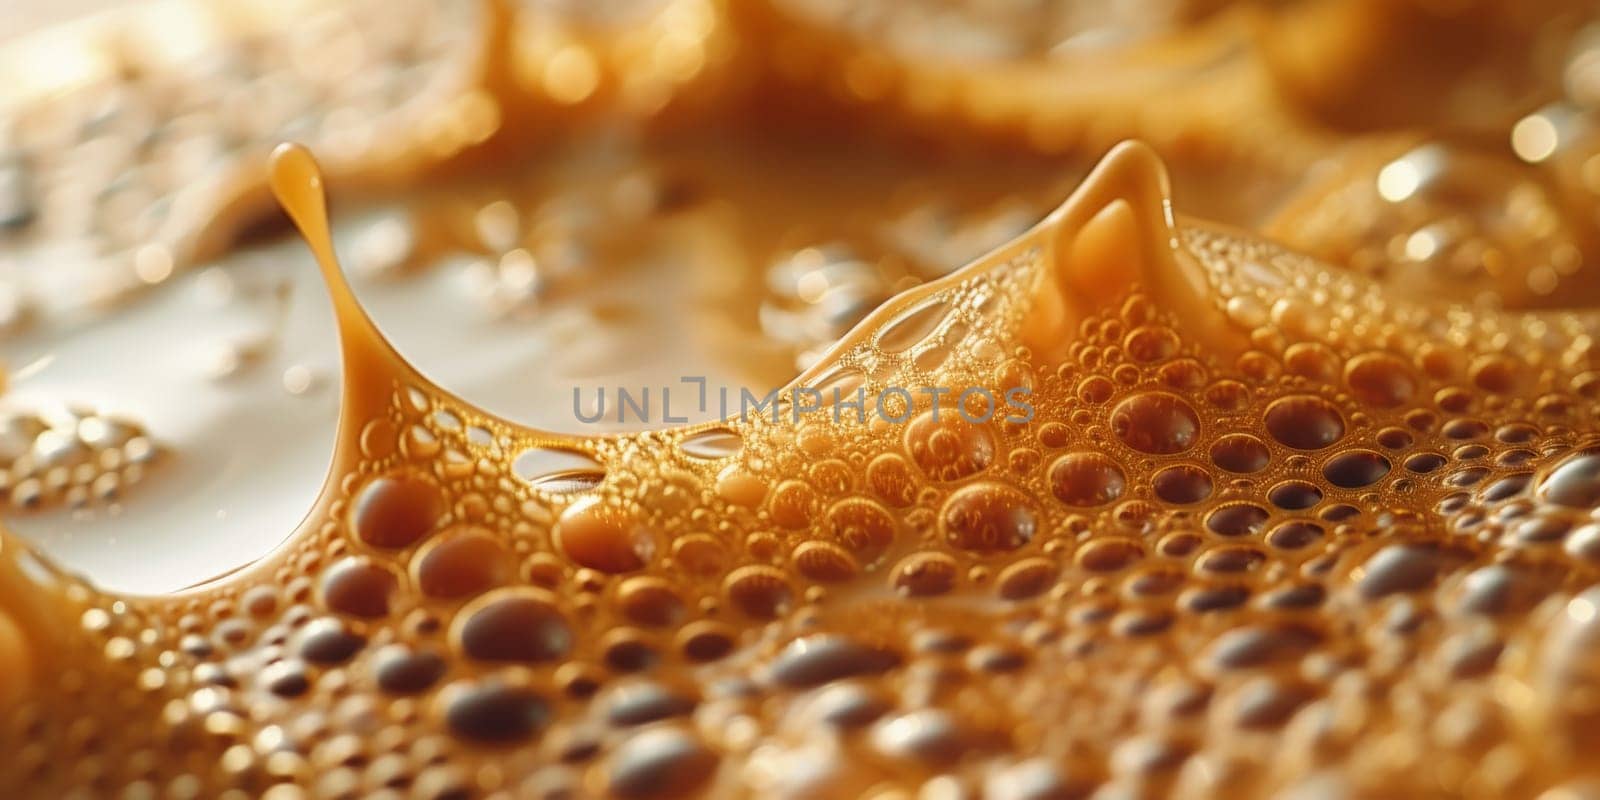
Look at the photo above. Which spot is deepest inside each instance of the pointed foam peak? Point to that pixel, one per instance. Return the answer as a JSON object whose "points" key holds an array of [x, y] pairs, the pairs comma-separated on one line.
{"points": [[371, 366], [1115, 232], [370, 363]]}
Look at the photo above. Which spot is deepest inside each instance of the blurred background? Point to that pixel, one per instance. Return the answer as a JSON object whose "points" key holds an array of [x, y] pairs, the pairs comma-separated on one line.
{"points": [[24, 16]]}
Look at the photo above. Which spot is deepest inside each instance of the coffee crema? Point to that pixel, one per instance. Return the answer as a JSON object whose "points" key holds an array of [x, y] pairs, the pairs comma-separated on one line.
{"points": [[1277, 527]]}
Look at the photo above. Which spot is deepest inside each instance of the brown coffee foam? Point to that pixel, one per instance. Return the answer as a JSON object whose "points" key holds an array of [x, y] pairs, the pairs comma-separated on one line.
{"points": [[1040, 612], [647, 586]]}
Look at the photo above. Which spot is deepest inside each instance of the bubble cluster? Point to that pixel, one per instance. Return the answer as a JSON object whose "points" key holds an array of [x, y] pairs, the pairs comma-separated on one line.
{"points": [[1192, 542], [71, 457]]}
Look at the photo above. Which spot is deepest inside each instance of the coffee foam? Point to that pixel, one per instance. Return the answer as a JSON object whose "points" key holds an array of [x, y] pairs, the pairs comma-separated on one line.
{"points": [[1274, 529], [1226, 514]]}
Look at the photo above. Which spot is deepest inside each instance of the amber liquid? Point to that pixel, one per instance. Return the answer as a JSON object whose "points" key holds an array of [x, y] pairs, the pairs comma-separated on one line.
{"points": [[1273, 527]]}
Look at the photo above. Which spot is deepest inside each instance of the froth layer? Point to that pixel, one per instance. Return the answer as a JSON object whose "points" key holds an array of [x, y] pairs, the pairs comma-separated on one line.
{"points": [[1267, 527]]}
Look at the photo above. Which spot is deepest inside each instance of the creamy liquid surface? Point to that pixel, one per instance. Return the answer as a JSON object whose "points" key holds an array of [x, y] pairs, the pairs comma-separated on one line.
{"points": [[1275, 527]]}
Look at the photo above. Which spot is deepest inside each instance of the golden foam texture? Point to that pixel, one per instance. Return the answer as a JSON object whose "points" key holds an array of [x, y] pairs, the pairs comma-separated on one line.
{"points": [[1252, 542], [1274, 528]]}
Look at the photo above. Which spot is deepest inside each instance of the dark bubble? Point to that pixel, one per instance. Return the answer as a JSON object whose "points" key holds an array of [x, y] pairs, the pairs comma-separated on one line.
{"points": [[1240, 452], [1304, 422], [1294, 535], [286, 678], [495, 713], [1182, 484], [1236, 519], [988, 517], [1354, 469], [1506, 488], [706, 644], [1294, 495], [399, 669], [642, 702], [359, 587], [517, 625], [1156, 422], [1086, 479], [1380, 379], [1295, 597], [463, 565], [328, 641], [396, 510], [815, 660], [1401, 568], [629, 652]]}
